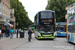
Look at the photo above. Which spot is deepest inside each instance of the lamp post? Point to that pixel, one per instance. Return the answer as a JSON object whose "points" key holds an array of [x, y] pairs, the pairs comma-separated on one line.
{"points": [[17, 29], [17, 17]]}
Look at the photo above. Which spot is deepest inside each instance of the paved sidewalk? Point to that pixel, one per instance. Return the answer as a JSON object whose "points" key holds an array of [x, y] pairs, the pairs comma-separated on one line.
{"points": [[7, 43], [5, 38]]}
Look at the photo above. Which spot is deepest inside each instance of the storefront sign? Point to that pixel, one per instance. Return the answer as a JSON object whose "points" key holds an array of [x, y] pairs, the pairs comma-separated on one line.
{"points": [[2, 19]]}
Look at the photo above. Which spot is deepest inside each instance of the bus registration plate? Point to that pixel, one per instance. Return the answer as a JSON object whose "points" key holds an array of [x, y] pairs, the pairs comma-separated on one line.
{"points": [[46, 37]]}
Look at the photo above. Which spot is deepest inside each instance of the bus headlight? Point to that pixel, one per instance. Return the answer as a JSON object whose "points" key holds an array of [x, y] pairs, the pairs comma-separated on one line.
{"points": [[39, 34], [55, 33]]}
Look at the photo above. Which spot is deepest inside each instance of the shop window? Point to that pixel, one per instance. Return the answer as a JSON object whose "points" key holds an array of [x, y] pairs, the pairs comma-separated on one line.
{"points": [[70, 28]]}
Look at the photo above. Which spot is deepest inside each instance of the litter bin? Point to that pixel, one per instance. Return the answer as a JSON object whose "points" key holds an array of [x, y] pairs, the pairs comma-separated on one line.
{"points": [[21, 34]]}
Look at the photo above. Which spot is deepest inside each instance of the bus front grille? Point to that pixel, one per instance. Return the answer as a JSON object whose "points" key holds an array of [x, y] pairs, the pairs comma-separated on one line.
{"points": [[43, 34]]}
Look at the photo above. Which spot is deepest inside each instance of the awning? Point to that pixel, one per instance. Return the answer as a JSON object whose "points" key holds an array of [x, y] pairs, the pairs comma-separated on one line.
{"points": [[3, 16], [8, 24], [6, 17]]}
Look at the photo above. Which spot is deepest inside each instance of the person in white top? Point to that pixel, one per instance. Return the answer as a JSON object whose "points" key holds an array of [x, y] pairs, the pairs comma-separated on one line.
{"points": [[0, 34]]}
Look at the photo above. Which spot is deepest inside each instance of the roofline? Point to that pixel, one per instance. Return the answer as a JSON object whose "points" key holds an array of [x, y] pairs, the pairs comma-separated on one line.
{"points": [[47, 10], [72, 7]]}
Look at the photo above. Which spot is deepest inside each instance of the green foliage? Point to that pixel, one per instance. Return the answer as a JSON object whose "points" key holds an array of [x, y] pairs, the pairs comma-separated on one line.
{"points": [[59, 7], [22, 18]]}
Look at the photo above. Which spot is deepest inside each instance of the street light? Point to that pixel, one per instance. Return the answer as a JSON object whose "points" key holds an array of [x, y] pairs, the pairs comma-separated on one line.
{"points": [[17, 17], [17, 29]]}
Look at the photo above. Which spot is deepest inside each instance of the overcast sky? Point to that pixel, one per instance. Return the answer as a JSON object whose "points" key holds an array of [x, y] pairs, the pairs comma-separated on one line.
{"points": [[33, 6]]}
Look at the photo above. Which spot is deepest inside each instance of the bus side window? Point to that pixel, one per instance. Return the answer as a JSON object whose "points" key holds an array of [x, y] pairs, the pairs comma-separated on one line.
{"points": [[73, 28], [70, 28]]}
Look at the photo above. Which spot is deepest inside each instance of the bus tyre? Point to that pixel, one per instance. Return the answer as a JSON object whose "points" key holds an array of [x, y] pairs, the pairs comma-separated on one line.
{"points": [[53, 39], [68, 38], [35, 37]]}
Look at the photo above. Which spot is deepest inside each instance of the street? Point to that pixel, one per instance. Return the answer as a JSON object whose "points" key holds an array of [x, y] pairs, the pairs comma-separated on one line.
{"points": [[59, 43]]}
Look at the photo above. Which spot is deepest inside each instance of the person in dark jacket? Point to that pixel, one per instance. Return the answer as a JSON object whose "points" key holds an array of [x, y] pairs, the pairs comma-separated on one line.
{"points": [[7, 32], [3, 32], [29, 34]]}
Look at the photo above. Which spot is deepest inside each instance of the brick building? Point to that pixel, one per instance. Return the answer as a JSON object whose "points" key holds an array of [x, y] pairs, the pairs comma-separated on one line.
{"points": [[6, 18]]}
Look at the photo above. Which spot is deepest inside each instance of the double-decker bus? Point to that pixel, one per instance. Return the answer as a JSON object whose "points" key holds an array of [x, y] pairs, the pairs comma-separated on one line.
{"points": [[71, 25], [61, 29], [45, 24]]}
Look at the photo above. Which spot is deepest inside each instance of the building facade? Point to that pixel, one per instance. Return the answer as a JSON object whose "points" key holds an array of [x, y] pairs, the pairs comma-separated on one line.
{"points": [[5, 14], [12, 21]]}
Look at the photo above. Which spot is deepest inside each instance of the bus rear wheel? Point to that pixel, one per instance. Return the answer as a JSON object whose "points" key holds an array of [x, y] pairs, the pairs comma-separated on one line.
{"points": [[68, 38]]}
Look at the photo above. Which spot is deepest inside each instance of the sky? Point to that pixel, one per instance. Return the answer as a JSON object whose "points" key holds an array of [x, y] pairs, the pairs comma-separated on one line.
{"points": [[33, 6]]}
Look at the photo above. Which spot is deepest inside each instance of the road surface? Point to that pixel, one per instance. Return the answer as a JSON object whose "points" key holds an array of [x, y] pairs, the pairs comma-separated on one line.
{"points": [[59, 43]]}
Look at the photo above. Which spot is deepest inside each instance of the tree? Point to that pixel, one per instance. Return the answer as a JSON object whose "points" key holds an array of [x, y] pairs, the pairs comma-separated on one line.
{"points": [[59, 7], [22, 18]]}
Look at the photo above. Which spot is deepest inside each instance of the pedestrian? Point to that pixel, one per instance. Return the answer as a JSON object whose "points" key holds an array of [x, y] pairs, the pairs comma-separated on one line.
{"points": [[3, 32], [19, 30], [29, 34], [11, 32], [16, 31], [7, 32], [0, 34]]}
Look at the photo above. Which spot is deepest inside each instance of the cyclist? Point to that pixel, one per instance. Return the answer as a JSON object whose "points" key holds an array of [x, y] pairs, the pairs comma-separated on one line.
{"points": [[29, 34]]}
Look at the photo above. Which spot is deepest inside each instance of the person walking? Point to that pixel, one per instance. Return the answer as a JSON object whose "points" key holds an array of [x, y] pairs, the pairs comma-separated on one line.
{"points": [[19, 30], [3, 32], [7, 32], [29, 34], [11, 32]]}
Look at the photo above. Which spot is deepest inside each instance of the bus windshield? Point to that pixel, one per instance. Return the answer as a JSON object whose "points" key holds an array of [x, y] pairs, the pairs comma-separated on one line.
{"points": [[46, 15], [46, 28], [63, 28]]}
